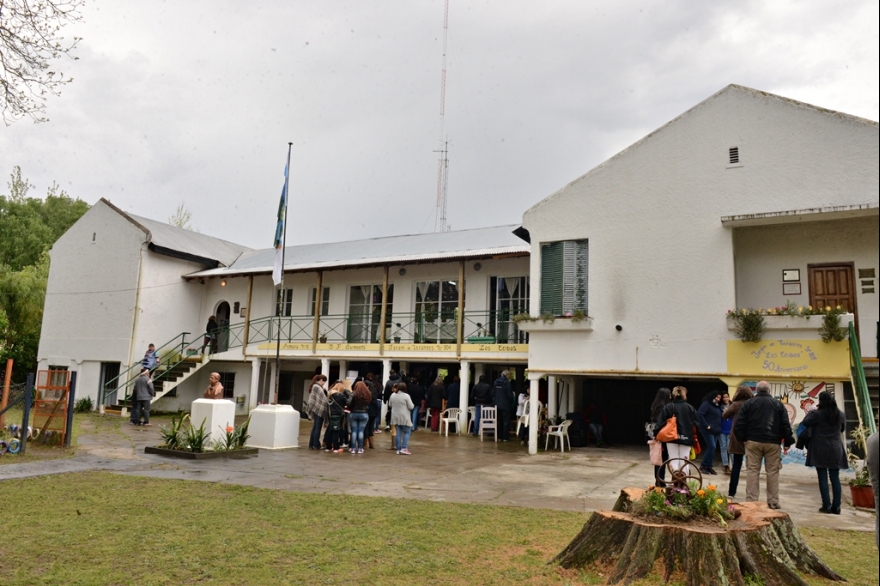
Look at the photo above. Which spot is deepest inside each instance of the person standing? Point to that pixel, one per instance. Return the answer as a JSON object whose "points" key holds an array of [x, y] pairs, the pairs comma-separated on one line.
{"points": [[762, 424], [215, 389], [376, 391], [316, 407], [417, 396], [393, 379], [504, 402], [482, 397], [401, 406], [724, 438], [685, 420], [872, 459], [736, 448], [453, 393], [661, 399], [211, 335], [436, 396], [358, 417], [826, 451], [710, 426], [143, 394]]}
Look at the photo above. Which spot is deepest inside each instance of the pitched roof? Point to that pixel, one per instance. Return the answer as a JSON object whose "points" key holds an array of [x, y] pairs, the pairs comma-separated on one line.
{"points": [[181, 243], [413, 248]]}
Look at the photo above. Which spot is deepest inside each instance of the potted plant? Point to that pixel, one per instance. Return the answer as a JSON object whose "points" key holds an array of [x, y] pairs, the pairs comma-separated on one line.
{"points": [[322, 338], [860, 485]]}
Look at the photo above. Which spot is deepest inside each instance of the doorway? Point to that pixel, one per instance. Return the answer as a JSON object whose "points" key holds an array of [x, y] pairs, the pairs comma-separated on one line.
{"points": [[222, 314], [833, 284]]}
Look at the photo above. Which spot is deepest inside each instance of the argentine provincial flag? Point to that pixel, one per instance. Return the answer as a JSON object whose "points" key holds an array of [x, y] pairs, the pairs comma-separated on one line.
{"points": [[280, 233]]}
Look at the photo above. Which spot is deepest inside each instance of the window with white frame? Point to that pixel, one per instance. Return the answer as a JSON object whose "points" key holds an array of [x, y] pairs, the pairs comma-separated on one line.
{"points": [[325, 300], [283, 302], [365, 312], [510, 296], [564, 283], [436, 306]]}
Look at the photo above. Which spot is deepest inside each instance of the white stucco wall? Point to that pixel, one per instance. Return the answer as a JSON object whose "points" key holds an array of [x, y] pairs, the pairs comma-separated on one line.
{"points": [[763, 252], [661, 263]]}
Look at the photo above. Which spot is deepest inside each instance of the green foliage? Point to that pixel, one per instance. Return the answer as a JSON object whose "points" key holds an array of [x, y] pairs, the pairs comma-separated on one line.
{"points": [[195, 439], [831, 330], [750, 326], [83, 405], [29, 226], [860, 439], [241, 435], [172, 436], [684, 503]]}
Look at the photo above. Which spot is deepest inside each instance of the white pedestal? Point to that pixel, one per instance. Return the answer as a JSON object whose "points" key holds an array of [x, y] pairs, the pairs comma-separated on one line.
{"points": [[274, 427], [218, 414]]}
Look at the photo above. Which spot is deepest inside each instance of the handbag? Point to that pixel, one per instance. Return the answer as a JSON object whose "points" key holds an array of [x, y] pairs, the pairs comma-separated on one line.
{"points": [[656, 451], [697, 449], [669, 432]]}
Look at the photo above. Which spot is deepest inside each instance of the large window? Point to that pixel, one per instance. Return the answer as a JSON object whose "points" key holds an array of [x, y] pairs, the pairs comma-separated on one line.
{"points": [[365, 312], [436, 305], [283, 302], [325, 301], [510, 297], [564, 277]]}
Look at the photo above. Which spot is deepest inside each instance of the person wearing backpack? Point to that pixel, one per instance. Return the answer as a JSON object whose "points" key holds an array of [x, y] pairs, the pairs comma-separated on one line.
{"points": [[505, 403]]}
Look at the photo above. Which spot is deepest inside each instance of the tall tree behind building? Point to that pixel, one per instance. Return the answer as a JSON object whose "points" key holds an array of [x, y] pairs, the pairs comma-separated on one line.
{"points": [[29, 226]]}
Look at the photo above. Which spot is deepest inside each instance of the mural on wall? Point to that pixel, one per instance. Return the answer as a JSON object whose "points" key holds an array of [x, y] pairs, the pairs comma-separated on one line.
{"points": [[799, 397]]}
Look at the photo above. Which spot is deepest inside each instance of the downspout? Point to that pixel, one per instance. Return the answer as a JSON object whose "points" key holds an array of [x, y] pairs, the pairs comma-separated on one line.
{"points": [[384, 313], [247, 317], [319, 296], [460, 324], [136, 320]]}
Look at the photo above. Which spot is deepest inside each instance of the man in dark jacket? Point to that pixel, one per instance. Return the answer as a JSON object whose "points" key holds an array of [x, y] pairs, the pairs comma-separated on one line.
{"points": [[393, 379], [504, 402], [482, 396], [376, 391], [710, 426], [417, 394], [762, 424]]}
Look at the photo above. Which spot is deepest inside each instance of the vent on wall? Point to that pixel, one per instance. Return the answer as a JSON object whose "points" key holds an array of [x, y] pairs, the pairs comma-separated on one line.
{"points": [[734, 155]]}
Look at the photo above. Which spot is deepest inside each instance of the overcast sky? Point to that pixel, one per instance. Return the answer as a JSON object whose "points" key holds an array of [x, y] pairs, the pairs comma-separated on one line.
{"points": [[194, 102]]}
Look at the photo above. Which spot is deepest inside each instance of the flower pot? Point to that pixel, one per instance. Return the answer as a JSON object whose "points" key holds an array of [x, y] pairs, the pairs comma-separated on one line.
{"points": [[397, 339], [322, 339], [862, 496]]}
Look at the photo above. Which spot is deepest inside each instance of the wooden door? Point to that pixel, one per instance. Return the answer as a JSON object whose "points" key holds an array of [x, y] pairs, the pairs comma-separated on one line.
{"points": [[833, 285]]}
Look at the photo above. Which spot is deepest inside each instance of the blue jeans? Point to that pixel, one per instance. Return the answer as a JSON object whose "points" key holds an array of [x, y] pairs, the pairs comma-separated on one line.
{"points": [[378, 419], [315, 437], [477, 420], [709, 450], [724, 441], [415, 421], [834, 474], [358, 423], [403, 436], [734, 473]]}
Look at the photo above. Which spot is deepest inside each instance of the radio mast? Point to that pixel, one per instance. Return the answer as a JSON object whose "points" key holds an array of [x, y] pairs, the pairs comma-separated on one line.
{"points": [[443, 163]]}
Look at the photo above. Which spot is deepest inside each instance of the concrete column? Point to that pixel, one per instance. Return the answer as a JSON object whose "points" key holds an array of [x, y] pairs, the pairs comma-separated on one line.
{"points": [[343, 369], [479, 370], [325, 369], [552, 393], [255, 384], [465, 375], [534, 378], [570, 382]]}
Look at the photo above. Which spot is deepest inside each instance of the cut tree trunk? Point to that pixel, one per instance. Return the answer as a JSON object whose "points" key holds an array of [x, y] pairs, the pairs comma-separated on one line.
{"points": [[761, 542]]}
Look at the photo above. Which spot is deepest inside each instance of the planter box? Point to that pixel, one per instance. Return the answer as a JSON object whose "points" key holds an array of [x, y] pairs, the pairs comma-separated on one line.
{"points": [[560, 324], [795, 322], [862, 496], [244, 452]]}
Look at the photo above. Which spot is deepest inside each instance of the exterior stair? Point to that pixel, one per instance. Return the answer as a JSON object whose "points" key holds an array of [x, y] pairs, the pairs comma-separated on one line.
{"points": [[166, 380], [872, 377]]}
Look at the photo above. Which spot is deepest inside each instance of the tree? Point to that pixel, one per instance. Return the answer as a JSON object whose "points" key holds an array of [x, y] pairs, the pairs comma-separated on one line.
{"points": [[30, 41], [181, 218]]}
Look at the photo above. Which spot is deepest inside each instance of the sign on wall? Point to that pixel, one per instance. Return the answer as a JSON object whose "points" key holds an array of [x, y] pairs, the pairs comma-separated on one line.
{"points": [[799, 396], [789, 358]]}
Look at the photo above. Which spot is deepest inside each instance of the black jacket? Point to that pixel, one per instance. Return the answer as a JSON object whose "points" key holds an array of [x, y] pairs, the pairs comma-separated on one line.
{"points": [[436, 394], [503, 394], [392, 380], [826, 446], [685, 418], [416, 393], [710, 418], [763, 419], [482, 394]]}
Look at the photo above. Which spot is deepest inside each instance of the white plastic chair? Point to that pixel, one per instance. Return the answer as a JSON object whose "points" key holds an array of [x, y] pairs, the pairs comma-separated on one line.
{"points": [[523, 420], [489, 421], [472, 417], [560, 435], [450, 416]]}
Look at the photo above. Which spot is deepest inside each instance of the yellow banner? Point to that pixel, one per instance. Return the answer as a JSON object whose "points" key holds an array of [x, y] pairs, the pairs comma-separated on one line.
{"points": [[347, 347], [789, 358]]}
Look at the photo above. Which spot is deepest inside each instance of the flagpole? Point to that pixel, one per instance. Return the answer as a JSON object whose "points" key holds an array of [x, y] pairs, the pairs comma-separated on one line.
{"points": [[281, 284]]}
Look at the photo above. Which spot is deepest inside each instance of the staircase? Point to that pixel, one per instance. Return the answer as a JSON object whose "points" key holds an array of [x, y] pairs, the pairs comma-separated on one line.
{"points": [[872, 377], [166, 380]]}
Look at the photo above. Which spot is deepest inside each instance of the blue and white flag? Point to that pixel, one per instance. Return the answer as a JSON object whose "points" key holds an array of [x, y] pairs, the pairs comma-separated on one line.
{"points": [[280, 233]]}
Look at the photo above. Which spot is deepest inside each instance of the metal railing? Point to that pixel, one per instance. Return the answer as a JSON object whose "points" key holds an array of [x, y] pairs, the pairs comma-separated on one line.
{"points": [[860, 384], [170, 351]]}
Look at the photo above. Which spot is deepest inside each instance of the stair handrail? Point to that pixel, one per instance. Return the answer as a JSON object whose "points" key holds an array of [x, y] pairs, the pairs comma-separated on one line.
{"points": [[860, 383], [171, 345]]}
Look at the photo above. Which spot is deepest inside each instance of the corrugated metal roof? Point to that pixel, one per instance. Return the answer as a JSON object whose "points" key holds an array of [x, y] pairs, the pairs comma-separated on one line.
{"points": [[189, 242], [479, 242]]}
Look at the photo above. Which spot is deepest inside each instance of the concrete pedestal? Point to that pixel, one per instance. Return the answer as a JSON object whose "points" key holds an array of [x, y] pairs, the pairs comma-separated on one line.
{"points": [[218, 414], [274, 427]]}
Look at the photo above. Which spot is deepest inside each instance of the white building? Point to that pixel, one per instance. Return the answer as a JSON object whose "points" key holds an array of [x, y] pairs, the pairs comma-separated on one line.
{"points": [[746, 200]]}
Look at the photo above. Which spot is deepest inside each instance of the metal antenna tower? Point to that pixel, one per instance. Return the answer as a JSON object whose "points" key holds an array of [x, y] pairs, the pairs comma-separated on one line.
{"points": [[443, 163]]}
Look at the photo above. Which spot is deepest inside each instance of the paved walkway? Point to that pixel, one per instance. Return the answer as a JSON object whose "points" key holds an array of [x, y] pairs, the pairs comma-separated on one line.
{"points": [[454, 469]]}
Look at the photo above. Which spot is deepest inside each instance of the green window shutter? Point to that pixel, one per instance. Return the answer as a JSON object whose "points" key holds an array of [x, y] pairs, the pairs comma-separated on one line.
{"points": [[551, 278]]}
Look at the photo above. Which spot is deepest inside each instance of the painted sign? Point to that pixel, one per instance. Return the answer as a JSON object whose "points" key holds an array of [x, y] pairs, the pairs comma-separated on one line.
{"points": [[789, 358], [422, 348], [799, 396]]}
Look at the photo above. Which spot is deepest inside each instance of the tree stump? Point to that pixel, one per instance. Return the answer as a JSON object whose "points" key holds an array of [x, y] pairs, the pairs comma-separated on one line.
{"points": [[760, 542]]}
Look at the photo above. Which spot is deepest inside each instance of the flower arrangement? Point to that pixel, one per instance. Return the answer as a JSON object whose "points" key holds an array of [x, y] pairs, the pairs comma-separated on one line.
{"points": [[750, 324], [195, 439], [576, 316], [685, 502]]}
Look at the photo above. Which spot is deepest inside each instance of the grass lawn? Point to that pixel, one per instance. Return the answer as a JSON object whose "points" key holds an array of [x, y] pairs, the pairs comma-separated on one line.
{"points": [[36, 450], [102, 528]]}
